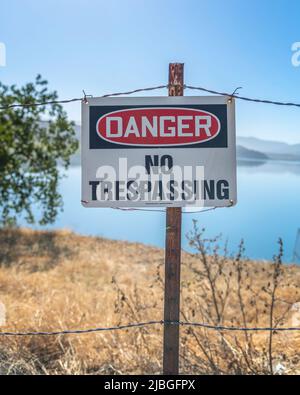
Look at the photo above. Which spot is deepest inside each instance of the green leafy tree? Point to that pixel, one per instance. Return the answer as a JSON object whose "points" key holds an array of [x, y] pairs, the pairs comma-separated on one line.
{"points": [[32, 152]]}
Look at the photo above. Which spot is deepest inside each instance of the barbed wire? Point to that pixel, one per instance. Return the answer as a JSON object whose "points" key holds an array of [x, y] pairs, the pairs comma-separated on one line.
{"points": [[237, 96], [84, 98], [136, 91], [199, 88], [149, 323], [161, 322], [41, 103], [81, 331]]}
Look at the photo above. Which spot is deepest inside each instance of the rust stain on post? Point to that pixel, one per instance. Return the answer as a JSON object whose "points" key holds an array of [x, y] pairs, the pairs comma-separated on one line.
{"points": [[172, 257], [176, 79]]}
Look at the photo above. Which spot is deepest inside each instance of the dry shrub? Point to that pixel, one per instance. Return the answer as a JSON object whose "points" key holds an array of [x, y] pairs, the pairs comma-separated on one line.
{"points": [[232, 291]]}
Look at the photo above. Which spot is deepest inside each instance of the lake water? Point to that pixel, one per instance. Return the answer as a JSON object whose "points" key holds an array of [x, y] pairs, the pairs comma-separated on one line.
{"points": [[268, 208]]}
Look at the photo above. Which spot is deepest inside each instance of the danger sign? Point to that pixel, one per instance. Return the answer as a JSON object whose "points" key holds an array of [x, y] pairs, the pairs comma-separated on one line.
{"points": [[158, 126], [150, 151]]}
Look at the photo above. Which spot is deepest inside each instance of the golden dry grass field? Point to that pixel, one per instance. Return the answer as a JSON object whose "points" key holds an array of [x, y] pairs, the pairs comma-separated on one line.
{"points": [[60, 280]]}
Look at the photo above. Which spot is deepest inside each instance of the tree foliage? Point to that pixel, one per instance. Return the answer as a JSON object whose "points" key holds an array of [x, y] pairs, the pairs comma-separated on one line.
{"points": [[32, 152]]}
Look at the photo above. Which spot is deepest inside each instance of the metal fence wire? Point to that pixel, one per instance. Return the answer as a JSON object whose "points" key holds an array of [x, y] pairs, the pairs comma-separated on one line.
{"points": [[84, 99], [220, 328]]}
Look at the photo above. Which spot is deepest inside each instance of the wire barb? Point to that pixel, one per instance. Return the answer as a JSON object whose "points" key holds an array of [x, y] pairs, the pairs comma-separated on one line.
{"points": [[235, 91]]}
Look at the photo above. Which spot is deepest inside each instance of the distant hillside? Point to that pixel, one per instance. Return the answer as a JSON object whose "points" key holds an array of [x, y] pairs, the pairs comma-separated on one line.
{"points": [[59, 280], [273, 149], [245, 153]]}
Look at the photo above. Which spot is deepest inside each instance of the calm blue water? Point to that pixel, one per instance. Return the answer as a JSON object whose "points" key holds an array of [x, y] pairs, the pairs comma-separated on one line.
{"points": [[268, 207]]}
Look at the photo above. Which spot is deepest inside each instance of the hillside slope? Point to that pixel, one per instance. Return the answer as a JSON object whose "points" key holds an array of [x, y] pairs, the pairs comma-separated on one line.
{"points": [[58, 280]]}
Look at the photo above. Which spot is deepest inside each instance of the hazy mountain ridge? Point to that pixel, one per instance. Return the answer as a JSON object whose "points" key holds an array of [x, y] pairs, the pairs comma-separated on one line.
{"points": [[245, 153], [273, 149]]}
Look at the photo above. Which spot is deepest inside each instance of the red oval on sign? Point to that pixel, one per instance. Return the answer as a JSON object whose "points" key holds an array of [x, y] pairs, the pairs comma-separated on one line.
{"points": [[167, 126]]}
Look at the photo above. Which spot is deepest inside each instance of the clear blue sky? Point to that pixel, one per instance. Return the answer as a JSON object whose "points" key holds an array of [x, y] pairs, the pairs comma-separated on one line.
{"points": [[104, 46]]}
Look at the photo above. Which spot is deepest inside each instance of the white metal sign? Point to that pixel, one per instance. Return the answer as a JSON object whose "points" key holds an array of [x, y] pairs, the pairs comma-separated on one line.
{"points": [[158, 151]]}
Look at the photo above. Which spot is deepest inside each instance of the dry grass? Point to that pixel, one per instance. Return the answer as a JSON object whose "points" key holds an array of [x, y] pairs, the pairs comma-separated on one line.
{"points": [[58, 280]]}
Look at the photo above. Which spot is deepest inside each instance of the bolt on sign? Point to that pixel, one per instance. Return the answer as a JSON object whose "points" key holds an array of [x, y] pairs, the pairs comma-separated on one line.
{"points": [[158, 151]]}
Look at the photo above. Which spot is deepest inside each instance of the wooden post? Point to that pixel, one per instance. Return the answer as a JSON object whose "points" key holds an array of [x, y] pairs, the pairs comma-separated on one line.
{"points": [[172, 258]]}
